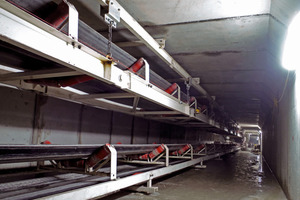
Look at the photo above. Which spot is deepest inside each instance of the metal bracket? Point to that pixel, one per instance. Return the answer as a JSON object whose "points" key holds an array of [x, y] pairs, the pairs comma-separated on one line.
{"points": [[73, 21], [148, 190], [201, 166], [188, 84], [188, 154], [135, 104], [113, 162], [164, 154], [178, 91], [167, 155], [160, 41], [111, 13], [147, 72], [196, 80], [195, 104]]}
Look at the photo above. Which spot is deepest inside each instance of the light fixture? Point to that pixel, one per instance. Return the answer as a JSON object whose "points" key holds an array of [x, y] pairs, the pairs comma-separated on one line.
{"points": [[291, 49]]}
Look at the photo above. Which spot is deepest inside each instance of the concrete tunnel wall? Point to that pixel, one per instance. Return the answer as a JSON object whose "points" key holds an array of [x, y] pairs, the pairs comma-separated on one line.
{"points": [[30, 118], [281, 139]]}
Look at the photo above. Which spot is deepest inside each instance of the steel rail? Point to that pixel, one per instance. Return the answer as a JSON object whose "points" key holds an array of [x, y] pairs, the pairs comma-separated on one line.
{"points": [[28, 153], [95, 186], [101, 189]]}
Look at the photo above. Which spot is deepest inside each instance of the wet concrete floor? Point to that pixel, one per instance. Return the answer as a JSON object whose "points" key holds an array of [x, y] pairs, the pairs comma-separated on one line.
{"points": [[240, 176]]}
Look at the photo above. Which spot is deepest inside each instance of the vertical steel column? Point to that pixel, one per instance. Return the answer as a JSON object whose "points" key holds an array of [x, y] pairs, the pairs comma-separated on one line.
{"points": [[73, 21], [113, 162], [192, 152], [147, 72], [167, 155]]}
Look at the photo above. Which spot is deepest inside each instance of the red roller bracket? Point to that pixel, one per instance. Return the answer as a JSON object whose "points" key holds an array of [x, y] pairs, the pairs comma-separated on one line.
{"points": [[199, 148], [181, 150], [192, 99], [154, 153], [135, 67], [172, 88], [157, 151], [46, 142], [59, 16], [98, 156]]}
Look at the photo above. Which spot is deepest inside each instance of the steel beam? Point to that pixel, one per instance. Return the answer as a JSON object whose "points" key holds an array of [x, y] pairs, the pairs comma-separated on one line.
{"points": [[105, 95], [157, 113], [45, 44], [50, 46], [135, 103], [131, 24], [43, 40], [38, 74], [161, 42], [170, 117], [28, 153], [101, 189]]}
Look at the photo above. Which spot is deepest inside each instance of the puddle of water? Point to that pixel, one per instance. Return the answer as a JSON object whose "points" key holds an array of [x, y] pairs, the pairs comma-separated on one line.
{"points": [[242, 176]]}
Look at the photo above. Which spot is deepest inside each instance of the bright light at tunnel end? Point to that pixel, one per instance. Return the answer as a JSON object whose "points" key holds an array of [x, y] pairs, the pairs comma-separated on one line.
{"points": [[291, 49]]}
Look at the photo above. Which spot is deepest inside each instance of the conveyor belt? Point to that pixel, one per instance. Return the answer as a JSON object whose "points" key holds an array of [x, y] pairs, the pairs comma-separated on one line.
{"points": [[29, 153], [59, 182], [150, 99], [37, 184], [96, 41]]}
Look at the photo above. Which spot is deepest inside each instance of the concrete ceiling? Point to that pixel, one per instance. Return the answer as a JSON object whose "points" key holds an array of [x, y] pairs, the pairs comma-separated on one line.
{"points": [[233, 46]]}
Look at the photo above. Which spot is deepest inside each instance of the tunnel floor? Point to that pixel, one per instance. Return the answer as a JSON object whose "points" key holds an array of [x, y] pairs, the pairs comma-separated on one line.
{"points": [[239, 176]]}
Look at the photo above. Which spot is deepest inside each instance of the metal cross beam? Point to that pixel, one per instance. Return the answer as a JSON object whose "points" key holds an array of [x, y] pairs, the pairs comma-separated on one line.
{"points": [[105, 95], [38, 74], [131, 24]]}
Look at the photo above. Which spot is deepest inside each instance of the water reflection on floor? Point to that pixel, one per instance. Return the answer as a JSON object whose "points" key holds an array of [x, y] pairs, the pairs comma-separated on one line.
{"points": [[241, 176]]}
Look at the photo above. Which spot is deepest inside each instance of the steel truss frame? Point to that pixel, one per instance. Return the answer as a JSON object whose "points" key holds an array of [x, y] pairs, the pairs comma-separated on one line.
{"points": [[101, 189], [20, 153], [44, 40]]}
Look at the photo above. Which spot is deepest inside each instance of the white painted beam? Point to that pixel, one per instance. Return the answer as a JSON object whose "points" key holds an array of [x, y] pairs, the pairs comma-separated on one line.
{"points": [[161, 42], [100, 189], [43, 40], [105, 95], [157, 113], [38, 74], [131, 24], [52, 47]]}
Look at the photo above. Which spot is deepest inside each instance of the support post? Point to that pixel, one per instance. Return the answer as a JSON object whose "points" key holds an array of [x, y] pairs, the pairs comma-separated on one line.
{"points": [[107, 69], [149, 183], [147, 72], [73, 21], [192, 152], [113, 162], [201, 166], [167, 155]]}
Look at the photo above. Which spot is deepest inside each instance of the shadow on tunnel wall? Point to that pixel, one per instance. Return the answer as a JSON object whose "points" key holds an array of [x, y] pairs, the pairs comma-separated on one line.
{"points": [[281, 139], [30, 118]]}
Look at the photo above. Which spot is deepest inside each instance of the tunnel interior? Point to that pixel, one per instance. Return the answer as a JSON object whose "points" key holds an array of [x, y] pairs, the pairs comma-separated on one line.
{"points": [[174, 84]]}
